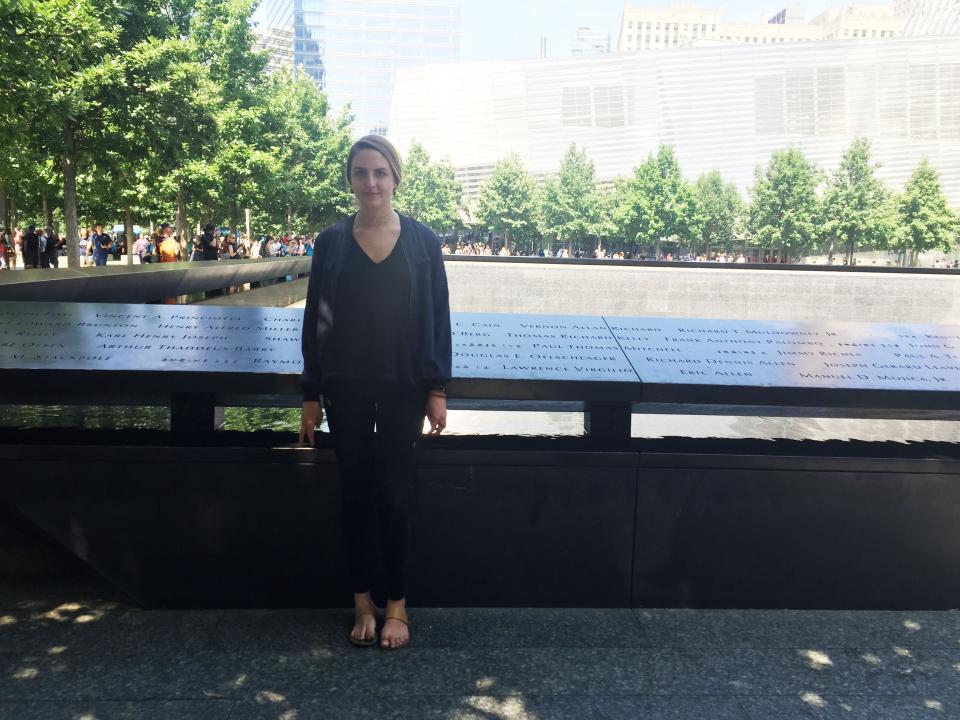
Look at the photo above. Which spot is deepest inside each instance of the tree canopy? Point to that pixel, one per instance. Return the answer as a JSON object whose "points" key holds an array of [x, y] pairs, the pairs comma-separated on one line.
{"points": [[508, 202], [925, 220], [429, 191], [856, 205], [570, 203], [151, 109], [143, 110], [785, 206]]}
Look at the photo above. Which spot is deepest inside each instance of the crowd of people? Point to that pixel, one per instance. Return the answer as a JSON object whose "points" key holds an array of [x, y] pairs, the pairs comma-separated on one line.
{"points": [[30, 247], [36, 247]]}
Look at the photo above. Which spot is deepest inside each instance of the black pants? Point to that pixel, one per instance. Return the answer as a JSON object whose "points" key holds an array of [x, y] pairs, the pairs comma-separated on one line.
{"points": [[376, 471]]}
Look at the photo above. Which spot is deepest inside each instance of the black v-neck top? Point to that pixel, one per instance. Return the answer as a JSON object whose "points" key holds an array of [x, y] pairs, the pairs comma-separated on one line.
{"points": [[370, 338]]}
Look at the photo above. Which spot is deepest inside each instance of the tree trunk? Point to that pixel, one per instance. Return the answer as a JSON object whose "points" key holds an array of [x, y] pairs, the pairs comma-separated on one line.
{"points": [[47, 214], [128, 233], [181, 217], [70, 193]]}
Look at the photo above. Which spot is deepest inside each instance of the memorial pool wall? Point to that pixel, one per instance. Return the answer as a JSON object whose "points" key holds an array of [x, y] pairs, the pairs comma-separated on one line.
{"points": [[638, 290]]}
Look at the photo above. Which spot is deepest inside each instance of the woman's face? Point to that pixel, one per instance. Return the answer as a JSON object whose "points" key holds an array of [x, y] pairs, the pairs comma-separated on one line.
{"points": [[371, 179]]}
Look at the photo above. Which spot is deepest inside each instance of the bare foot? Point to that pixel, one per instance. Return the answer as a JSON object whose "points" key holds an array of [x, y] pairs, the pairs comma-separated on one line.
{"points": [[365, 614], [395, 633]]}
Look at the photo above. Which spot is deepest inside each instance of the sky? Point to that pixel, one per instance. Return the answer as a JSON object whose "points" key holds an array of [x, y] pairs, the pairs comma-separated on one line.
{"points": [[511, 29]]}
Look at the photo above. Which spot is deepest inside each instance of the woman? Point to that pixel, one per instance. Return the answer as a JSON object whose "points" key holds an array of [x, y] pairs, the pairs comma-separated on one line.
{"points": [[377, 344]]}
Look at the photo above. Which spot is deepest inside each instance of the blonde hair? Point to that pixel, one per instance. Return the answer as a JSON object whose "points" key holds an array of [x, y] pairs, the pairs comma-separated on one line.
{"points": [[382, 146]]}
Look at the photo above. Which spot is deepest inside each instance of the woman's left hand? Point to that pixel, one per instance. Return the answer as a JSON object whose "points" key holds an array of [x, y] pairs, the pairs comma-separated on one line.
{"points": [[436, 413]]}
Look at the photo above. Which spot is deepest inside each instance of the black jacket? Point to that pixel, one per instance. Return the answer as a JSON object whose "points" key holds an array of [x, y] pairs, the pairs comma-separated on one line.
{"points": [[210, 246], [429, 302], [102, 243]]}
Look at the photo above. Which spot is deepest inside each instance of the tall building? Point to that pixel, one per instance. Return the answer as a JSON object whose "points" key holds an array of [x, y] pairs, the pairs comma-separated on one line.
{"points": [[351, 48], [860, 21], [590, 41], [726, 108], [663, 28], [929, 17], [792, 14], [277, 34]]}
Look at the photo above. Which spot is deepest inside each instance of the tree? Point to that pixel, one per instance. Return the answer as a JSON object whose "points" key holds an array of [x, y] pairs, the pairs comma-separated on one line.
{"points": [[161, 100], [720, 211], [79, 65], [856, 204], [246, 157], [657, 203], [605, 225], [784, 205], [311, 148], [61, 44], [570, 208], [924, 217], [429, 192], [508, 201]]}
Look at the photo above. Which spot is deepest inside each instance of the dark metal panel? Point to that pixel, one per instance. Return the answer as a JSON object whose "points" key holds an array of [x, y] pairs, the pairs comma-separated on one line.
{"points": [[523, 535], [182, 534], [827, 460], [494, 456], [201, 527], [249, 526], [713, 537]]}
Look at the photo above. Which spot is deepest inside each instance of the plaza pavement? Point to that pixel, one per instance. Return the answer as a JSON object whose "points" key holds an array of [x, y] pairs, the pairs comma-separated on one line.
{"points": [[79, 651]]}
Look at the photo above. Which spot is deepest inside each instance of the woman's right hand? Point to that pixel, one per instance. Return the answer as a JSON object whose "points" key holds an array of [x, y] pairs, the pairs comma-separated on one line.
{"points": [[310, 418]]}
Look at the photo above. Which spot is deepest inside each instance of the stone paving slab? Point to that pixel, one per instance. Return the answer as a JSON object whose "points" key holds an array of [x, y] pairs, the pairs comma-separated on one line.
{"points": [[49, 593], [84, 654], [853, 707], [796, 628]]}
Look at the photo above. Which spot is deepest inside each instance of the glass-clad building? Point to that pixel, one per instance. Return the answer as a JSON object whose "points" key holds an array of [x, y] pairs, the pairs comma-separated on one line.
{"points": [[727, 108], [352, 47]]}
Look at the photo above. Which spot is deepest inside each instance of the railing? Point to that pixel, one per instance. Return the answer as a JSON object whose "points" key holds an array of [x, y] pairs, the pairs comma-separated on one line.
{"points": [[196, 358], [144, 283]]}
